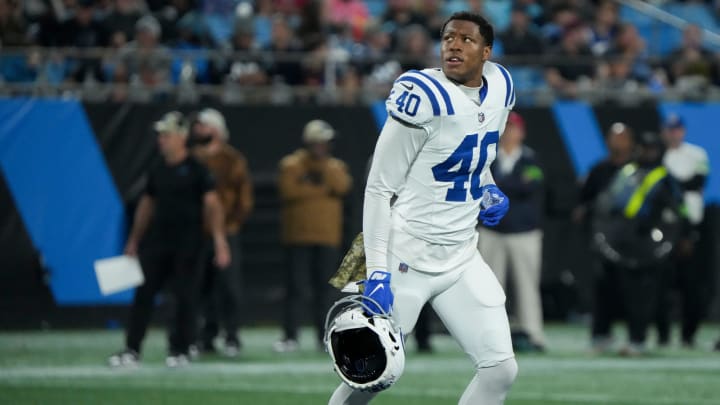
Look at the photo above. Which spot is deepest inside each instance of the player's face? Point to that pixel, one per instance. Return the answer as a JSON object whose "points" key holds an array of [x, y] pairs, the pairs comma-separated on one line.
{"points": [[170, 143], [463, 52], [674, 136], [620, 143]]}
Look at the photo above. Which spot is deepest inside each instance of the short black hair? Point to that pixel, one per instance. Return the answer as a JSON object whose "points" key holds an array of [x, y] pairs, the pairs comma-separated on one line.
{"points": [[486, 29]]}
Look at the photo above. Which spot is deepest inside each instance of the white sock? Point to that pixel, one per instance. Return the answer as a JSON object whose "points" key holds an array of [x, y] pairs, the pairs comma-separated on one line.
{"points": [[490, 385]]}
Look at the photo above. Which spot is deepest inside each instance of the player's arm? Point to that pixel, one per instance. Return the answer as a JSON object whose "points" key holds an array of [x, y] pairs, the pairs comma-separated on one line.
{"points": [[244, 191], [395, 152], [702, 169], [215, 218], [337, 178], [143, 215]]}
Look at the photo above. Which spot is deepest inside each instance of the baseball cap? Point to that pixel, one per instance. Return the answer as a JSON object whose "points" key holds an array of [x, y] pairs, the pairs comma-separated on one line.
{"points": [[213, 118], [516, 119], [172, 122], [318, 131], [674, 121]]}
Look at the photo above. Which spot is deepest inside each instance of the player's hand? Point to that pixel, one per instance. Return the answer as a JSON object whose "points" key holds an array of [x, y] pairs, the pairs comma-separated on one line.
{"points": [[377, 287], [491, 216], [222, 253], [131, 248]]}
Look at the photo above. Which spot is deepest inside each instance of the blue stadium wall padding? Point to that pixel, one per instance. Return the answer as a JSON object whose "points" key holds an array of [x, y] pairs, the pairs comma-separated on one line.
{"points": [[701, 123], [379, 112], [581, 134], [64, 192]]}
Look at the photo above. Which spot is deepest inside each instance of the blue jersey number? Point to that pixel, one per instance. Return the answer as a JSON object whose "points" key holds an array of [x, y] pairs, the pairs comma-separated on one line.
{"points": [[408, 103], [463, 156]]}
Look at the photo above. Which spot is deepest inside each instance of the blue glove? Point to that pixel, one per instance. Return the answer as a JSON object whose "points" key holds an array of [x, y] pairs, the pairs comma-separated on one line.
{"points": [[377, 287], [494, 205]]}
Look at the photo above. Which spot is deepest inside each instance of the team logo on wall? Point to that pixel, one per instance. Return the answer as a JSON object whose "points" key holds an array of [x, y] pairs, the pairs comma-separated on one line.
{"points": [[481, 117]]}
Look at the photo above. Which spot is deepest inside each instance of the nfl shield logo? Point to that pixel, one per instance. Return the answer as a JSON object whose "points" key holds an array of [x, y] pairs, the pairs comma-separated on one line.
{"points": [[481, 117], [403, 268]]}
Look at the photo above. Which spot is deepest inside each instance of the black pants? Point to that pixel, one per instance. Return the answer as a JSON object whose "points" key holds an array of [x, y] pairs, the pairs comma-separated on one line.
{"points": [[221, 294], [307, 271], [631, 292], [690, 279], [181, 271]]}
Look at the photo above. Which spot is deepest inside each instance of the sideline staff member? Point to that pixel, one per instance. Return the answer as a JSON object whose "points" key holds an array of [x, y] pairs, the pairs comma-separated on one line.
{"points": [[179, 193]]}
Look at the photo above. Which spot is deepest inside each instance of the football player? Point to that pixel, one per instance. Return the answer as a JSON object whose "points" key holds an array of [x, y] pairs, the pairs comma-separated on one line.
{"points": [[434, 154]]}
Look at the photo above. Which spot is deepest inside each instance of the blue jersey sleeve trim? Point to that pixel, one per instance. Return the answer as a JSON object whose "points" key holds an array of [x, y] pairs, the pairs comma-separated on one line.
{"points": [[508, 84], [441, 89], [426, 89], [483, 90]]}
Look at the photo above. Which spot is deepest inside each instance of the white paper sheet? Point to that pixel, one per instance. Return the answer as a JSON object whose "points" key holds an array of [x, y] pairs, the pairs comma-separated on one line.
{"points": [[118, 273]]}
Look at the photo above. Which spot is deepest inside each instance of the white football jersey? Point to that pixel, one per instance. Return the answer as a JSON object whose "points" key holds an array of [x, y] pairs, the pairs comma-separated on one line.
{"points": [[435, 214], [684, 163]]}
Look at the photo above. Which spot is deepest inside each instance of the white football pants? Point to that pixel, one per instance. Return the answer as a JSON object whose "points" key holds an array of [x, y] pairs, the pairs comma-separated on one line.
{"points": [[471, 303]]}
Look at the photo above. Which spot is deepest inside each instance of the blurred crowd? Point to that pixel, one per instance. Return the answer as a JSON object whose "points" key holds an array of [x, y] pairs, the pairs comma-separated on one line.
{"points": [[349, 49]]}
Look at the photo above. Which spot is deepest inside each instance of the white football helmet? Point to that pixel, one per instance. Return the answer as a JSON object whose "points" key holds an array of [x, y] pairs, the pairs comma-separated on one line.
{"points": [[367, 351]]}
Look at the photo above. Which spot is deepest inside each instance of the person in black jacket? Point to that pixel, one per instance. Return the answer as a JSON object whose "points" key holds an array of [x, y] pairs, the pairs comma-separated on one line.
{"points": [[167, 236], [620, 143], [516, 242], [637, 222]]}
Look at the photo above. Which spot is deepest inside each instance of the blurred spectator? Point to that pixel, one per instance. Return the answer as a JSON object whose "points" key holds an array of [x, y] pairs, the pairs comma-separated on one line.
{"points": [[637, 222], [312, 185], [82, 30], [516, 243], [179, 193], [433, 11], [615, 75], [188, 65], [222, 287], [414, 48], [520, 37], [562, 16], [604, 27], [263, 21], [375, 48], [145, 61], [689, 165], [169, 13], [247, 70], [284, 65], [606, 305], [620, 145], [120, 23], [13, 29], [572, 68], [311, 29], [631, 47], [351, 13], [690, 61], [398, 15]]}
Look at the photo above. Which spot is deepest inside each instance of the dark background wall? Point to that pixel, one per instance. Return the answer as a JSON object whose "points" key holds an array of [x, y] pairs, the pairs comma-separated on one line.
{"points": [[265, 135]]}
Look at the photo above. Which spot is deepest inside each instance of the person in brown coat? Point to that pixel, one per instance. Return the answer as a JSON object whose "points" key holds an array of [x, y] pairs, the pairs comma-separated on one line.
{"points": [[312, 185], [222, 288]]}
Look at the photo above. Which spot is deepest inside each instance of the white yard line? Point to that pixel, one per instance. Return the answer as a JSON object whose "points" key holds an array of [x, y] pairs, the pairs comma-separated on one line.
{"points": [[433, 366]]}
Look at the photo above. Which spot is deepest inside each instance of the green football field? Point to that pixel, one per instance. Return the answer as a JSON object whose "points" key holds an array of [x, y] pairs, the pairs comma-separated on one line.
{"points": [[67, 367]]}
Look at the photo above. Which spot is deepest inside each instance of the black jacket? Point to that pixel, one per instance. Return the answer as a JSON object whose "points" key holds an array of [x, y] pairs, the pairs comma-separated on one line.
{"points": [[524, 187]]}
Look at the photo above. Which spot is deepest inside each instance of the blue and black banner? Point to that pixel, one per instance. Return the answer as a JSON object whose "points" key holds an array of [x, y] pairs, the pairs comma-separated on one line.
{"points": [[71, 174]]}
